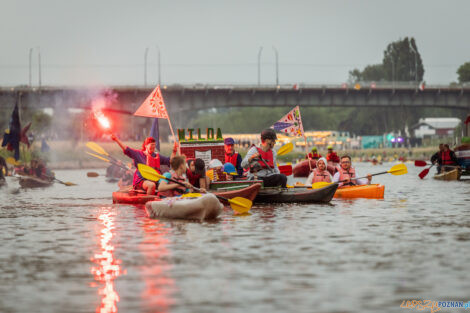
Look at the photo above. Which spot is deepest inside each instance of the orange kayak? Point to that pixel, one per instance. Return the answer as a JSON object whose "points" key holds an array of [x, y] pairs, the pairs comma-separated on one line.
{"points": [[374, 191]]}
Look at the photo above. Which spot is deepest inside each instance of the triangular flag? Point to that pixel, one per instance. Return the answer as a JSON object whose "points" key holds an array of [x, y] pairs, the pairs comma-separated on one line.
{"points": [[153, 106], [291, 123]]}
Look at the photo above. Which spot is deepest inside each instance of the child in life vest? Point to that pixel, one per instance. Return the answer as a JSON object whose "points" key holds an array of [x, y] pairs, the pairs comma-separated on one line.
{"points": [[178, 169], [319, 174]]}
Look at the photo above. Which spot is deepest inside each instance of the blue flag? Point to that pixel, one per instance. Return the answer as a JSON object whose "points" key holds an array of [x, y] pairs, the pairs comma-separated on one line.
{"points": [[155, 133], [11, 139]]}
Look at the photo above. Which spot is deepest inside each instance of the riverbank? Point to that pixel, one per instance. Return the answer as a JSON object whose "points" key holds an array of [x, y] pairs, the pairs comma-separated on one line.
{"points": [[72, 155]]}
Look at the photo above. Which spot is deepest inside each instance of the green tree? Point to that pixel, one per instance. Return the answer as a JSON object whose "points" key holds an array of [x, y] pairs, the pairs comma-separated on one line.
{"points": [[373, 72], [464, 72], [41, 122]]}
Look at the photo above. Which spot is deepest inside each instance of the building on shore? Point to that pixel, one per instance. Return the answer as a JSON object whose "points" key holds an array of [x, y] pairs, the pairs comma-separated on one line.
{"points": [[435, 127]]}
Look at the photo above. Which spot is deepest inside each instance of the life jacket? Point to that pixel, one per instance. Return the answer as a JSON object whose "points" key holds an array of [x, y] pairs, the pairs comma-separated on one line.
{"points": [[343, 175], [231, 158], [176, 191], [333, 157], [154, 162], [314, 156], [446, 159], [321, 176], [267, 157]]}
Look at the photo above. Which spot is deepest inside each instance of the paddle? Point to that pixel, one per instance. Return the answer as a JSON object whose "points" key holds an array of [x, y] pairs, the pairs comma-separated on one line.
{"points": [[238, 204], [288, 147], [12, 161], [98, 149], [420, 163], [425, 172], [67, 183], [92, 174], [399, 169], [107, 160]]}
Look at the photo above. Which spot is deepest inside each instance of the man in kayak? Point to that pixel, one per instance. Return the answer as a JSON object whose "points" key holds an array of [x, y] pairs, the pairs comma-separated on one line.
{"points": [[314, 155], [265, 156], [346, 174], [319, 173], [146, 156], [178, 169], [448, 159], [436, 158], [332, 157], [233, 157]]}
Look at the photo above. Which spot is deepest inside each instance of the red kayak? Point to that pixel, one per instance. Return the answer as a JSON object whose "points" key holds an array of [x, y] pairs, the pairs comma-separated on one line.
{"points": [[302, 169]]}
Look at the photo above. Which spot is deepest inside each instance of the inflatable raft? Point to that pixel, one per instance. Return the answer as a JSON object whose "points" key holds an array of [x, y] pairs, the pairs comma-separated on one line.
{"points": [[450, 175], [202, 208], [294, 195], [34, 182], [302, 169], [373, 191]]}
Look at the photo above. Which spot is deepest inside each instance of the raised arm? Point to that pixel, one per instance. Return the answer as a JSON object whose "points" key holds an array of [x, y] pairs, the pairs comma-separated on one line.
{"points": [[113, 137]]}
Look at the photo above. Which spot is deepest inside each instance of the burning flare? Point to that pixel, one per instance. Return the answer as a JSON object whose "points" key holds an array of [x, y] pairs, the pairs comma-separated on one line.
{"points": [[103, 120]]}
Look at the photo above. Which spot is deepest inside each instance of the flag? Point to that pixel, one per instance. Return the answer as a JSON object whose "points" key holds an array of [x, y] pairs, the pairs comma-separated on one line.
{"points": [[153, 106], [44, 146], [291, 123], [23, 137], [155, 133], [421, 86], [11, 137]]}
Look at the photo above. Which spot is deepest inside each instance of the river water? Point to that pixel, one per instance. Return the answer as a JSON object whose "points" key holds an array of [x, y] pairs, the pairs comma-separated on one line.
{"points": [[69, 249]]}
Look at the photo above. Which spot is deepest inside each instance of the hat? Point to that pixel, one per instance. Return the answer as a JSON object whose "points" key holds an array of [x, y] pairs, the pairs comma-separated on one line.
{"points": [[330, 147], [314, 149], [229, 141], [322, 159], [200, 166], [215, 163], [230, 169]]}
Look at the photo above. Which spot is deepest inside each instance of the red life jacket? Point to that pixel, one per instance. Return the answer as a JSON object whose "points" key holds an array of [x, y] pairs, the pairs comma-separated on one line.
{"points": [[314, 156], [174, 192], [347, 174], [333, 157], [267, 157], [446, 159], [321, 176], [154, 162], [231, 158]]}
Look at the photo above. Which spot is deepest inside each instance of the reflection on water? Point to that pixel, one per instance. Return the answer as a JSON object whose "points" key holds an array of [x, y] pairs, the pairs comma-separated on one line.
{"points": [[107, 267], [159, 286]]}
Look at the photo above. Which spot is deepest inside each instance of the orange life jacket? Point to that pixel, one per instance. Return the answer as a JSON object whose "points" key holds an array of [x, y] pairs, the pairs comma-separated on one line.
{"points": [[343, 175], [267, 157], [321, 176], [176, 191], [231, 158], [154, 162]]}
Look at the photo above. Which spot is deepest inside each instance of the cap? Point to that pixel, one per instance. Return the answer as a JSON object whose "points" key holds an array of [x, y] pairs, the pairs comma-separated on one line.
{"points": [[229, 141], [215, 163], [268, 133], [314, 149], [230, 169], [200, 166]]}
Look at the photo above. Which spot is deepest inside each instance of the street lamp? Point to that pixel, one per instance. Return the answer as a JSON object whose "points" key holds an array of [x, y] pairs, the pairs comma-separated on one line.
{"points": [[259, 65], [159, 67], [145, 66], [30, 61], [39, 67], [416, 62], [30, 66], [277, 65]]}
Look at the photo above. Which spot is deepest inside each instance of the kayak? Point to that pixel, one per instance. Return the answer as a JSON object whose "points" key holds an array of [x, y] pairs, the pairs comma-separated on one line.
{"points": [[130, 196], [229, 189], [450, 175], [34, 182], [373, 191], [302, 169], [206, 207], [296, 195]]}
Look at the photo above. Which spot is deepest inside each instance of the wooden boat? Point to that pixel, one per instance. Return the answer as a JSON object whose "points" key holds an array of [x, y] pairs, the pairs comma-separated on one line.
{"points": [[34, 182], [450, 175], [206, 207], [373, 191], [296, 195], [130, 196], [302, 169]]}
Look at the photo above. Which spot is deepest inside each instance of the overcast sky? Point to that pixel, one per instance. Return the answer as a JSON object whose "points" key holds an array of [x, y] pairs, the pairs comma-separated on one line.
{"points": [[90, 42]]}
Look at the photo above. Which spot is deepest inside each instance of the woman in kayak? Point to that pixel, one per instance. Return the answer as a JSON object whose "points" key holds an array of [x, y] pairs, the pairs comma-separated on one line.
{"points": [[146, 156], [196, 173], [319, 174], [171, 189]]}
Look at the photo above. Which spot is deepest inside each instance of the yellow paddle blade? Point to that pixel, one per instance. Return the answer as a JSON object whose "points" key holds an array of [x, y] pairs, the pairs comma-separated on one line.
{"points": [[191, 195], [96, 147], [67, 183], [12, 161], [288, 147], [98, 156], [399, 169], [149, 173], [320, 185], [240, 205]]}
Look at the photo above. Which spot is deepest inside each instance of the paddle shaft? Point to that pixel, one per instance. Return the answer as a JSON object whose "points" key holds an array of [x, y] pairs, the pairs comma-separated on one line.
{"points": [[265, 163], [195, 188]]}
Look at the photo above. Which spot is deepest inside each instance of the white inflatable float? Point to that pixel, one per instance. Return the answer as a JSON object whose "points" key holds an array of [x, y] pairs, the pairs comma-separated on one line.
{"points": [[206, 207]]}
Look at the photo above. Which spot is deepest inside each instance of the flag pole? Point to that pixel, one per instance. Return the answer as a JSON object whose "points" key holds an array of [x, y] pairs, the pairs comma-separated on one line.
{"points": [[306, 152], [173, 133]]}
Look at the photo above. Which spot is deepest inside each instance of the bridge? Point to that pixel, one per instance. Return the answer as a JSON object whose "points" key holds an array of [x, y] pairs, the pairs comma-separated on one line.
{"points": [[179, 98]]}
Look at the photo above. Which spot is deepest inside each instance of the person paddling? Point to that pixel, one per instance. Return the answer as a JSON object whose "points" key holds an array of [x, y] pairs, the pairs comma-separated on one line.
{"points": [[347, 173], [319, 173], [233, 157], [178, 169], [145, 156], [448, 159], [436, 158], [314, 155], [265, 156], [332, 157]]}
